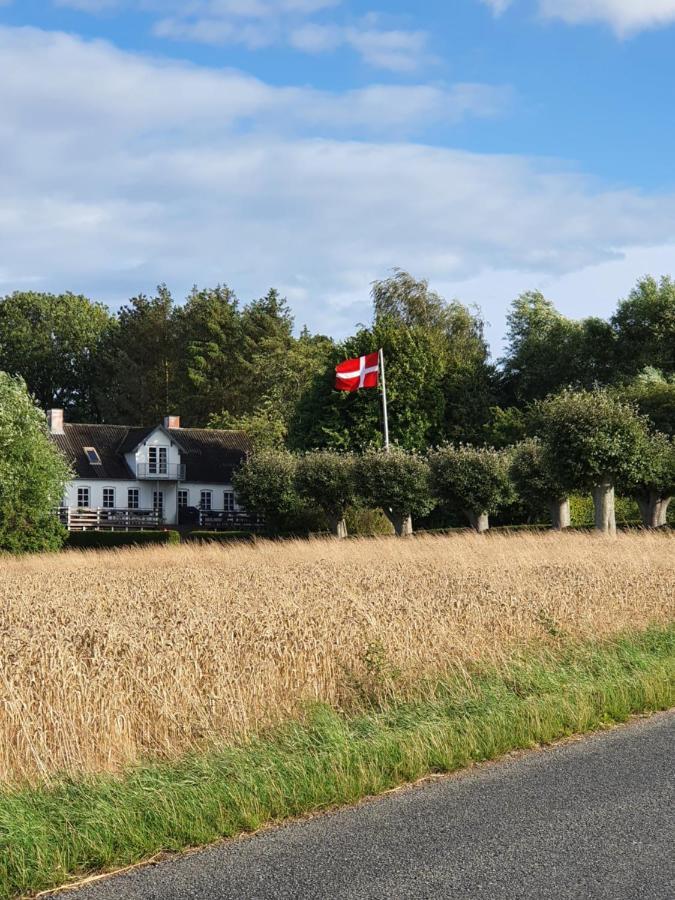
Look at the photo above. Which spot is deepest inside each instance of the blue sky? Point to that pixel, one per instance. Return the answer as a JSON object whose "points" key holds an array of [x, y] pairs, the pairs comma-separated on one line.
{"points": [[491, 146]]}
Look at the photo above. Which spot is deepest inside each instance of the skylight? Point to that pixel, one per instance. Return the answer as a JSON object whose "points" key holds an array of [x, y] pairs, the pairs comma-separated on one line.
{"points": [[92, 456]]}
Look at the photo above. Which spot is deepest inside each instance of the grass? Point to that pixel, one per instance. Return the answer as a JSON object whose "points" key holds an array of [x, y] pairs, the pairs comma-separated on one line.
{"points": [[71, 826], [111, 657]]}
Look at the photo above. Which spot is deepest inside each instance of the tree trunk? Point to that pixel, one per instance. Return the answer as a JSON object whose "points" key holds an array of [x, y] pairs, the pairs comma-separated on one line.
{"points": [[653, 509], [603, 501], [338, 526], [480, 521], [560, 514], [403, 525]]}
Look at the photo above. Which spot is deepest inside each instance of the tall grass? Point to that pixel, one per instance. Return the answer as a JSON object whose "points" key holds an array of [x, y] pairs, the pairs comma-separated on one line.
{"points": [[108, 658]]}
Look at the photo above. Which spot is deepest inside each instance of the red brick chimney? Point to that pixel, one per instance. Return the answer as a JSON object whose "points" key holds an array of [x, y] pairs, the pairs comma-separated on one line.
{"points": [[172, 421], [55, 420]]}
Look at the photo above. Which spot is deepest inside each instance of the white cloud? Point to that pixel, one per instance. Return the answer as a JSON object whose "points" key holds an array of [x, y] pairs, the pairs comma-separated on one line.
{"points": [[396, 50], [118, 171], [623, 16]]}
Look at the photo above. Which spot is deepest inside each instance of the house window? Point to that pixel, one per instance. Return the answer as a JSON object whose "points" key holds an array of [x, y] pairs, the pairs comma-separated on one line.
{"points": [[228, 501], [183, 499], [108, 498], [83, 497], [158, 503], [133, 498], [158, 460], [92, 456], [205, 500]]}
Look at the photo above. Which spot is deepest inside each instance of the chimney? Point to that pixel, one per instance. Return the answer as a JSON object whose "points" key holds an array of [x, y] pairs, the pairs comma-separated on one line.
{"points": [[55, 420], [172, 421]]}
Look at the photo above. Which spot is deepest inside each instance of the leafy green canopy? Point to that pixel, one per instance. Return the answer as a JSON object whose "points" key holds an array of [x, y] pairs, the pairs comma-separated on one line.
{"points": [[654, 396], [54, 342], [265, 484], [657, 471], [33, 474], [396, 481], [644, 324], [325, 478], [591, 437], [532, 477], [473, 479]]}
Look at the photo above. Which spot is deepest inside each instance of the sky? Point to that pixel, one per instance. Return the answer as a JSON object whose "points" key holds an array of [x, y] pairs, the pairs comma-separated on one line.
{"points": [[491, 146]]}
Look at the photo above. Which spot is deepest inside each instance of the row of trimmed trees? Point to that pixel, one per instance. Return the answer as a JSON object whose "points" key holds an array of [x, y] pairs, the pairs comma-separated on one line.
{"points": [[587, 441]]}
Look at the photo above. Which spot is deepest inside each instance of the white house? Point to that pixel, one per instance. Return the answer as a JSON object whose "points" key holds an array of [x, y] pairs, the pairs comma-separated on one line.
{"points": [[160, 474]]}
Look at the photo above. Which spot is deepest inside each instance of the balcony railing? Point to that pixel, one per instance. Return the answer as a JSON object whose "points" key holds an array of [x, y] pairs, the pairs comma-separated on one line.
{"points": [[169, 472], [99, 519], [217, 520]]}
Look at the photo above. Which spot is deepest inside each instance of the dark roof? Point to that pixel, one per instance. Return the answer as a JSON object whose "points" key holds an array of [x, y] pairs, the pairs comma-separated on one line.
{"points": [[209, 455]]}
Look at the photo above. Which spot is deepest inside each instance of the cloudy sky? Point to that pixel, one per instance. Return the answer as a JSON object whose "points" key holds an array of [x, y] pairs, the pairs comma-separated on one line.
{"points": [[493, 146]]}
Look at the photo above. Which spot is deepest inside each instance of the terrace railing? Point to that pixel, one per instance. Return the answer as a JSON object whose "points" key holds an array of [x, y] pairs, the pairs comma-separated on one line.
{"points": [[229, 520], [99, 519], [168, 472]]}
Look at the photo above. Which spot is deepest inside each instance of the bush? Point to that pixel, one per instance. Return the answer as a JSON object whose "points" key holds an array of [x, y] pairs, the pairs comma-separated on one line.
{"points": [[473, 479], [397, 482], [365, 522], [265, 485], [583, 515], [220, 537], [93, 540]]}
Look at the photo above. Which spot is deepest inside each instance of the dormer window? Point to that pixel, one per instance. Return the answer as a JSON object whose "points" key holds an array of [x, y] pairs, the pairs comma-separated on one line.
{"points": [[92, 456]]}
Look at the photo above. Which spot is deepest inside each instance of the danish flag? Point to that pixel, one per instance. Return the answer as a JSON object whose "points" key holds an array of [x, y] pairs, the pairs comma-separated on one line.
{"points": [[353, 374]]}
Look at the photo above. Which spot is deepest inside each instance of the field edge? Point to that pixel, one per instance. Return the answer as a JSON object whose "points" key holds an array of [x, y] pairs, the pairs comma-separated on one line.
{"points": [[54, 834]]}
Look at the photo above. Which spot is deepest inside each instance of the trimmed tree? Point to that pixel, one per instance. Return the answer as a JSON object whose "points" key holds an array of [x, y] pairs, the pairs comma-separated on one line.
{"points": [[33, 474], [396, 481], [265, 485], [592, 441], [537, 484], [655, 488], [473, 479], [325, 478]]}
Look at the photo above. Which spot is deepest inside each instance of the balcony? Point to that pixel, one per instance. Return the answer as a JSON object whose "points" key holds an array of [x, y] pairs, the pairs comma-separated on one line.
{"points": [[168, 472]]}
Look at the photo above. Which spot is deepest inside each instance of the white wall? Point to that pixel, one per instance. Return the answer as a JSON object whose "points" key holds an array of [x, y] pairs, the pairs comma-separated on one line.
{"points": [[157, 438]]}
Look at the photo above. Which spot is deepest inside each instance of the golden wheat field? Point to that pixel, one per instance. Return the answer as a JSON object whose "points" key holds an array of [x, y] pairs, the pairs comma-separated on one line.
{"points": [[107, 657]]}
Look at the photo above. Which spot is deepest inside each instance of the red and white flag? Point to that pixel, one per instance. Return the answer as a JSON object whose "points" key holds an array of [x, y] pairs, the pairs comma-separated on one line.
{"points": [[353, 374]]}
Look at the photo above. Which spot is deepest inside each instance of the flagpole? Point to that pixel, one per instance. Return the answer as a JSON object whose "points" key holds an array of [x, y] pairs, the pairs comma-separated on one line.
{"points": [[384, 404]]}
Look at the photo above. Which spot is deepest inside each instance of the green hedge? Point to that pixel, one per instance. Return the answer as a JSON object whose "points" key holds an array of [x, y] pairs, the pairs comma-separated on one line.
{"points": [[220, 536], [94, 539]]}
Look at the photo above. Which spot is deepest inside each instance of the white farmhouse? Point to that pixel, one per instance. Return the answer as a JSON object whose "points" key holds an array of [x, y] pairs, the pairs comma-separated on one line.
{"points": [[164, 474]]}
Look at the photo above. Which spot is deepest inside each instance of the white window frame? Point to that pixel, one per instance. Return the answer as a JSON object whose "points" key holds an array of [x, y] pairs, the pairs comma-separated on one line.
{"points": [[81, 488], [97, 456], [158, 460], [137, 495], [105, 505], [228, 501], [186, 492], [202, 495]]}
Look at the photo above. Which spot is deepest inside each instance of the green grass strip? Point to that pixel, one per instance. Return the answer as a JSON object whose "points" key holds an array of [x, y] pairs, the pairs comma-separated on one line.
{"points": [[48, 835]]}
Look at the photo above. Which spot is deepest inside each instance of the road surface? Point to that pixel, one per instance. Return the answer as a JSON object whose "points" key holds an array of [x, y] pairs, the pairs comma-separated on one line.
{"points": [[586, 819]]}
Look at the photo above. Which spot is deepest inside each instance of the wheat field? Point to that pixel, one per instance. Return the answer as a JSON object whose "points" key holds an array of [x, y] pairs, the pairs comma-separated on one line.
{"points": [[110, 657]]}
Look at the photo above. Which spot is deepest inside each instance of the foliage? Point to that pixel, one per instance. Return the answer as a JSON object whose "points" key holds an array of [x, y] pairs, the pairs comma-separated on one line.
{"points": [[33, 474], [533, 479], [644, 324], [396, 481], [325, 478], [473, 479], [590, 437], [654, 396], [265, 485], [657, 472], [506, 426], [53, 342], [582, 512], [264, 427], [93, 540], [366, 522]]}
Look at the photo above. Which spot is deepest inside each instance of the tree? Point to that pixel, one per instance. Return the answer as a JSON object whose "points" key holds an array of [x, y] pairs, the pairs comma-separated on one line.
{"points": [[654, 396], [265, 485], [265, 426], [537, 484], [654, 487], [325, 478], [644, 325], [139, 380], [473, 479], [396, 481], [33, 474], [591, 441], [54, 342]]}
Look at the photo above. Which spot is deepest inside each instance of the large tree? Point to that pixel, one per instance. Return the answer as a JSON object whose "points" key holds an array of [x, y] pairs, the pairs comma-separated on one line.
{"points": [[644, 324], [54, 343], [653, 486], [397, 482], [33, 473], [537, 485], [139, 381], [593, 440], [474, 480]]}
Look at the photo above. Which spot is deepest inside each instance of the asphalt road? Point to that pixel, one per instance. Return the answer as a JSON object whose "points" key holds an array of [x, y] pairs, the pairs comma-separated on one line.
{"points": [[587, 819]]}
